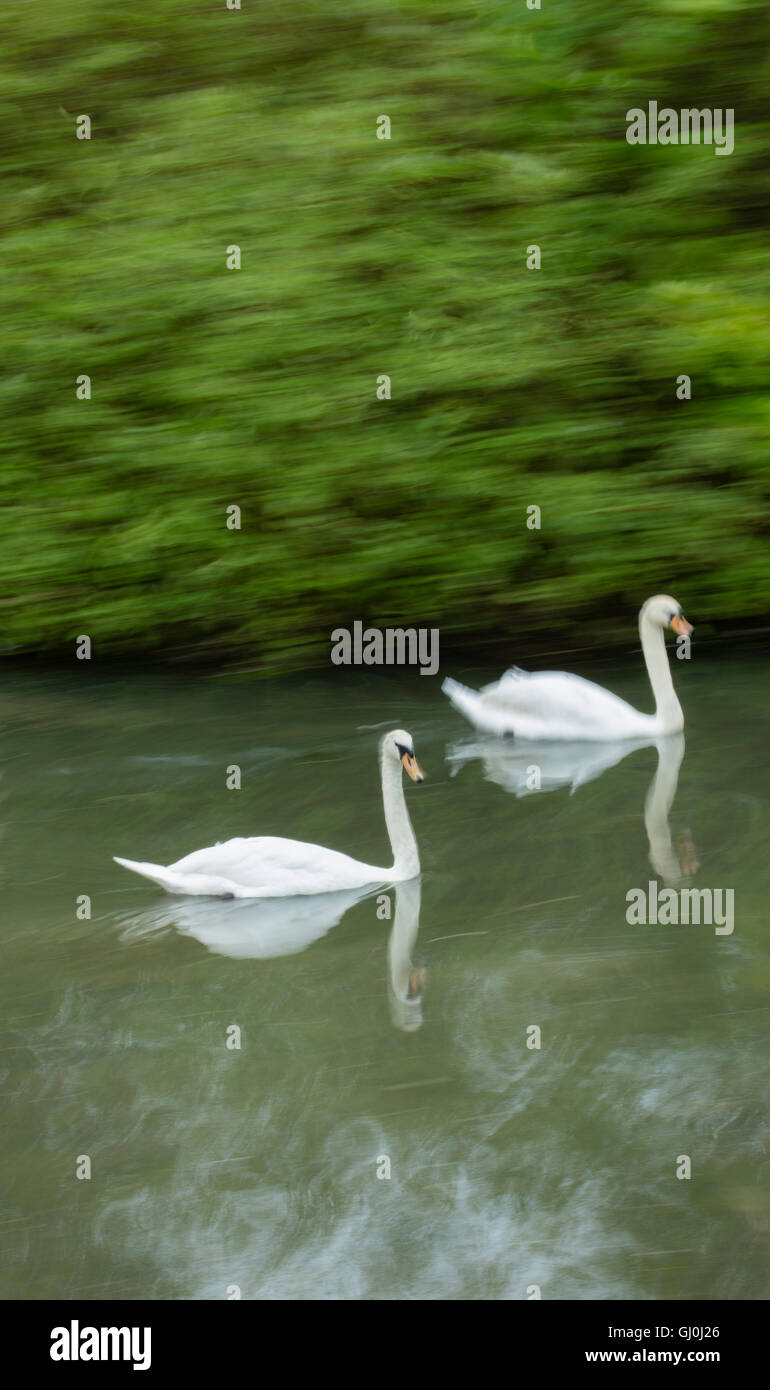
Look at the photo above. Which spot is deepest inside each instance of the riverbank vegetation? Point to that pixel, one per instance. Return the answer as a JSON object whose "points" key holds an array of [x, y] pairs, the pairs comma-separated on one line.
{"points": [[511, 387]]}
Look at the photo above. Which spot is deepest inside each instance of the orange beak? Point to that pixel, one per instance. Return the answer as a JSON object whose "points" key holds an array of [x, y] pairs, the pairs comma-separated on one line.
{"points": [[411, 766], [681, 626]]}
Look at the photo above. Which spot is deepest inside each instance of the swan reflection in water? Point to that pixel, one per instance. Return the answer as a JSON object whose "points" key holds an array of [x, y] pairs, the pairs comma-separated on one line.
{"points": [[529, 767], [249, 928], [405, 981], [674, 864], [264, 928]]}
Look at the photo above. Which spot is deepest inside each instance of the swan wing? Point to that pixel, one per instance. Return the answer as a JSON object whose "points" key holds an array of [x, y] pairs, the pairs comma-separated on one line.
{"points": [[265, 866], [549, 705], [557, 700]]}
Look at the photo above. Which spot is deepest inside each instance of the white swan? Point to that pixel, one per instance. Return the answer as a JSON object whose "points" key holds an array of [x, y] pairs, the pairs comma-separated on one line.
{"points": [[266, 867], [555, 705]]}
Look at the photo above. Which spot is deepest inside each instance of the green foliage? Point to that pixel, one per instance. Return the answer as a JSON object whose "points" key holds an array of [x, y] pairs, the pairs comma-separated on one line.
{"points": [[360, 257]]}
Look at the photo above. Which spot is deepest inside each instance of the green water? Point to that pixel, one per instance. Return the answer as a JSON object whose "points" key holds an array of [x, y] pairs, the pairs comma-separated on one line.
{"points": [[510, 1166]]}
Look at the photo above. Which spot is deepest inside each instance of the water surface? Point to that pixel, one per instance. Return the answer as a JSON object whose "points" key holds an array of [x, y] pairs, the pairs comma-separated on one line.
{"points": [[371, 1038]]}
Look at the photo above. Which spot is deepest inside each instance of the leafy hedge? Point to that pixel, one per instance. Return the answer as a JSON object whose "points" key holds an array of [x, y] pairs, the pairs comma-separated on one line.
{"points": [[510, 386]]}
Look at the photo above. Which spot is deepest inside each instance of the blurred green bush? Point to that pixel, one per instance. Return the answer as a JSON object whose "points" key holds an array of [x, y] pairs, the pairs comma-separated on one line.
{"points": [[511, 387]]}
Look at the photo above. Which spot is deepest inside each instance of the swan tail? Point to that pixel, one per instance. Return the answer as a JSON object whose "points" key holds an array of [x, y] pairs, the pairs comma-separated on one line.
{"points": [[473, 705], [464, 700], [165, 878]]}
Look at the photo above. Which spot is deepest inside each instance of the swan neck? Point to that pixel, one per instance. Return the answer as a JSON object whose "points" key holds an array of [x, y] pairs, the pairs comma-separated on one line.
{"points": [[668, 710], [406, 860]]}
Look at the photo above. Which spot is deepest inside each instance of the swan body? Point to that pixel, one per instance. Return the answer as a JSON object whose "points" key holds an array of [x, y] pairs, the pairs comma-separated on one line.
{"points": [[267, 867], [556, 705]]}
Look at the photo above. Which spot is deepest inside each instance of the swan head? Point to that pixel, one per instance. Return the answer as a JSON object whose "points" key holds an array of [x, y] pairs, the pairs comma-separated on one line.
{"points": [[664, 611], [398, 746]]}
